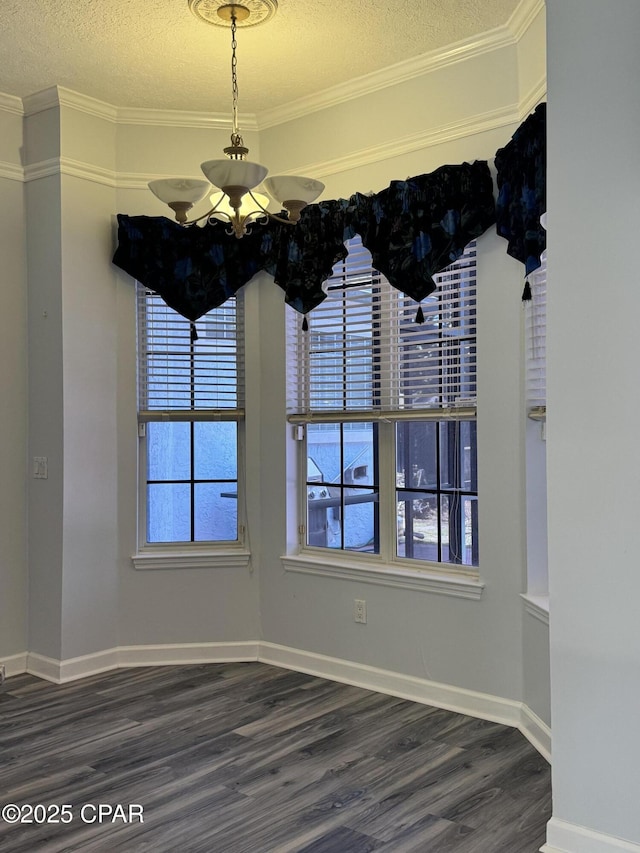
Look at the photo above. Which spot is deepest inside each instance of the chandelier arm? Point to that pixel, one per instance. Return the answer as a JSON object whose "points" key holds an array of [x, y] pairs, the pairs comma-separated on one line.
{"points": [[279, 218], [208, 213], [268, 212]]}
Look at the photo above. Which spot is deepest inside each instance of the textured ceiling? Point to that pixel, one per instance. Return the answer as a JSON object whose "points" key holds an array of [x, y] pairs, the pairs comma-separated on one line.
{"points": [[135, 53]]}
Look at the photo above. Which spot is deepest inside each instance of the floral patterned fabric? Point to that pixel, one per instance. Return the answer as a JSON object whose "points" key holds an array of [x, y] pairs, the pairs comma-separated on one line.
{"points": [[522, 191], [192, 269], [414, 229], [304, 255]]}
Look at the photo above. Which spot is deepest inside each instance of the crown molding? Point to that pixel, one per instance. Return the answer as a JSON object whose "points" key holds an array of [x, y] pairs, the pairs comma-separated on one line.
{"points": [[482, 123], [73, 168], [140, 180], [500, 37], [11, 172], [11, 104], [400, 72], [179, 118], [58, 96], [523, 16], [413, 142]]}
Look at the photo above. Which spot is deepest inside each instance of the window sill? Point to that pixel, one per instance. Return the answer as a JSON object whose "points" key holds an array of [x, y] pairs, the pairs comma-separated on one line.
{"points": [[393, 576], [221, 558], [537, 606]]}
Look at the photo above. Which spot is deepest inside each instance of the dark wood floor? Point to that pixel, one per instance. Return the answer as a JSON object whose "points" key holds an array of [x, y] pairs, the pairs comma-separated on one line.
{"points": [[248, 758]]}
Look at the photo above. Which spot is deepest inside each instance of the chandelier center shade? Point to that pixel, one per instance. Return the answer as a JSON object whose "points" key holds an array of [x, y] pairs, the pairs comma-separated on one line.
{"points": [[234, 176]]}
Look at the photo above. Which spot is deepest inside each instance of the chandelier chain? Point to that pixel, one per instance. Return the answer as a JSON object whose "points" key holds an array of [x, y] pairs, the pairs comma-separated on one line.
{"points": [[236, 139]]}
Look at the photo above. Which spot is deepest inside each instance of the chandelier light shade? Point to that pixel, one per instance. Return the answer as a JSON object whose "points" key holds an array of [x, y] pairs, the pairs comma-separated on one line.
{"points": [[179, 193], [235, 177], [293, 192]]}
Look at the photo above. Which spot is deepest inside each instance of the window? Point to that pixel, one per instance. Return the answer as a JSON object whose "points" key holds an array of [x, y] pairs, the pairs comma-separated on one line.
{"points": [[437, 491], [388, 408], [536, 341], [535, 445], [190, 402]]}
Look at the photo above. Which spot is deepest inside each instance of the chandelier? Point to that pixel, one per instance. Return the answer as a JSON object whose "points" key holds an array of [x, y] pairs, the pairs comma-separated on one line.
{"points": [[235, 178]]}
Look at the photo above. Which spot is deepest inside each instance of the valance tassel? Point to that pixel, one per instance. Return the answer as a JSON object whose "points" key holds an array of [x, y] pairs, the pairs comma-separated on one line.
{"points": [[305, 324], [419, 316], [194, 333], [526, 293]]}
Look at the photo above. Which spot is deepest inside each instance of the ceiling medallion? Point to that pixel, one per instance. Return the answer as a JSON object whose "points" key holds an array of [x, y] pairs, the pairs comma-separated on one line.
{"points": [[254, 11]]}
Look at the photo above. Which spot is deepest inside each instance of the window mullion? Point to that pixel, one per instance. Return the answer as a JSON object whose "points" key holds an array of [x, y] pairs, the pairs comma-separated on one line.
{"points": [[387, 491]]}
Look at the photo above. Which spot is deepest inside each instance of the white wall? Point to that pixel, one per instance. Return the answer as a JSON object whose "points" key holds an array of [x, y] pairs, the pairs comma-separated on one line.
{"points": [[46, 399], [13, 385], [594, 411], [85, 593], [449, 103], [72, 382], [476, 645], [186, 605]]}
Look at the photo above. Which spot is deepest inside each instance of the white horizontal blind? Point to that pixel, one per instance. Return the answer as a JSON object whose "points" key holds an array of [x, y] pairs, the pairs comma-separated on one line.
{"points": [[178, 376], [536, 339], [364, 352]]}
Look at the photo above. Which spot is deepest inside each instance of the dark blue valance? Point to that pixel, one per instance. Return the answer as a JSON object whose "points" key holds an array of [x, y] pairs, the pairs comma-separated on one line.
{"points": [[522, 190], [414, 229]]}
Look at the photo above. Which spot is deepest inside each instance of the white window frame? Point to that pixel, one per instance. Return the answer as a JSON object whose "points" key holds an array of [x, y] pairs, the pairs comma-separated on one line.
{"points": [[385, 567], [199, 554], [536, 599]]}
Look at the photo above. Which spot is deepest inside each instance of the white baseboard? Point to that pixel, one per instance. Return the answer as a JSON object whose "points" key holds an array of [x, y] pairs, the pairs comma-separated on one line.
{"points": [[536, 731], [447, 696], [61, 671], [421, 690], [154, 655], [15, 664], [184, 653], [563, 837]]}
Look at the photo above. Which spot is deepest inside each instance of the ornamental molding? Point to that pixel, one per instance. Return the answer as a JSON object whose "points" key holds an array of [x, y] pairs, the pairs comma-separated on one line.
{"points": [[11, 104], [466, 49]]}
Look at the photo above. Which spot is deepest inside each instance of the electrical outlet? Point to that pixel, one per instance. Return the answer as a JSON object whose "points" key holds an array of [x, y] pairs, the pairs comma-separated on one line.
{"points": [[359, 610]]}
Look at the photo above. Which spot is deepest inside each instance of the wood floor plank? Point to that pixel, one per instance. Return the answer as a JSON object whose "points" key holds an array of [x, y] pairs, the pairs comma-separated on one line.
{"points": [[249, 758]]}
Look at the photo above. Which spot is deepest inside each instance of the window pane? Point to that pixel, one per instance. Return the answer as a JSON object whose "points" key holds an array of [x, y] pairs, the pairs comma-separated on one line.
{"points": [[418, 526], [168, 512], [215, 512], [468, 461], [215, 450], [436, 483], [449, 455], [361, 521], [359, 452], [323, 452], [459, 529], [324, 527], [168, 451], [416, 455], [341, 460]]}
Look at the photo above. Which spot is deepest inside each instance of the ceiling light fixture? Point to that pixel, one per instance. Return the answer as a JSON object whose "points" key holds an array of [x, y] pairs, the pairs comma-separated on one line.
{"points": [[235, 177]]}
